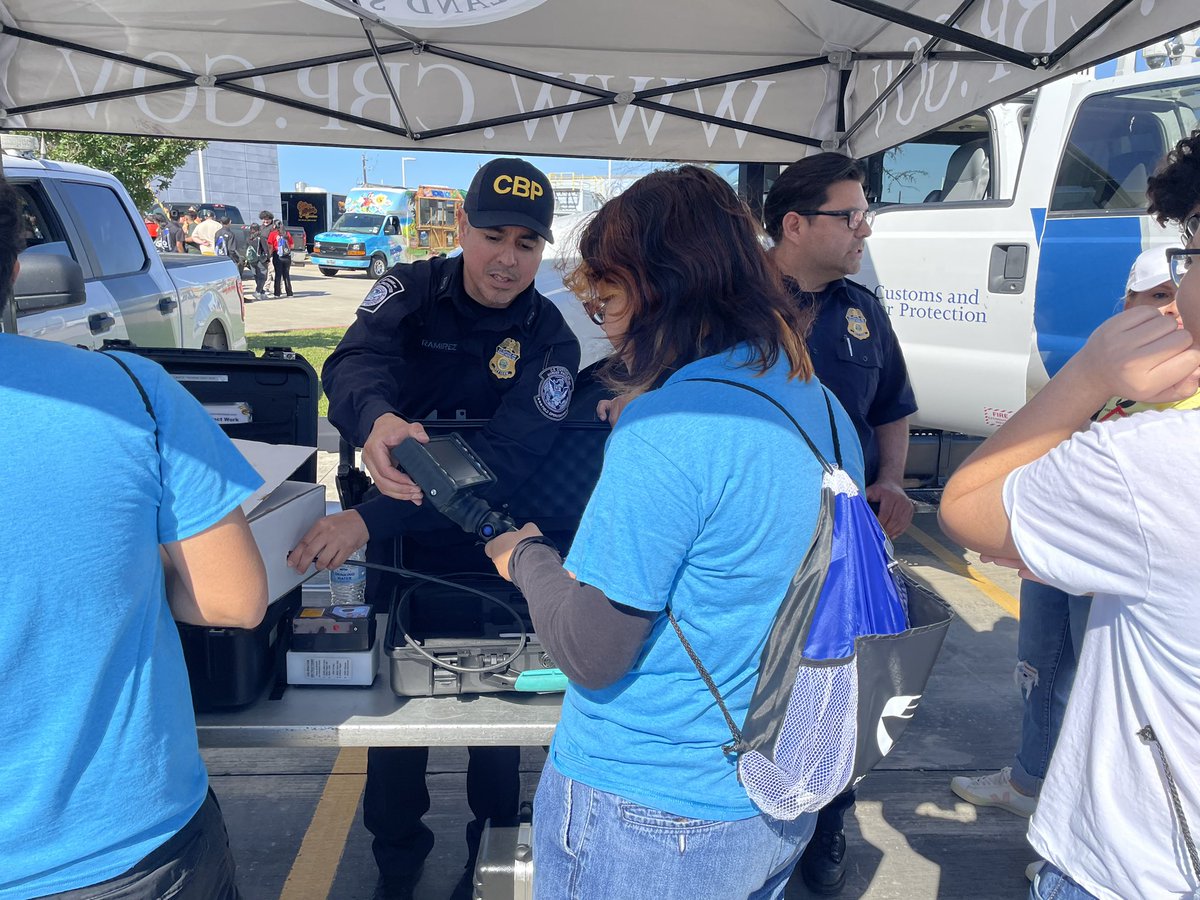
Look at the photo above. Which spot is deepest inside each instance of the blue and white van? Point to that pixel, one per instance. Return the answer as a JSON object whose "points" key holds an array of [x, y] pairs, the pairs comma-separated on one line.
{"points": [[997, 266]]}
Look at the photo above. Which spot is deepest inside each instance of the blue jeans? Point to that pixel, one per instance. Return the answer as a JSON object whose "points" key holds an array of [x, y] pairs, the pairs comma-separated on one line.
{"points": [[1051, 883], [1049, 640], [589, 844]]}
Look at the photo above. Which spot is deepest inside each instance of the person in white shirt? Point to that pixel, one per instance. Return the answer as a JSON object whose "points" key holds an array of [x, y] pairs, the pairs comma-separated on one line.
{"points": [[1113, 511], [205, 233]]}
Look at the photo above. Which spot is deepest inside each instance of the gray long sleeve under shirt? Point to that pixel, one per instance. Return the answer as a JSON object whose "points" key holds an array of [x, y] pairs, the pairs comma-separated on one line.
{"points": [[592, 639]]}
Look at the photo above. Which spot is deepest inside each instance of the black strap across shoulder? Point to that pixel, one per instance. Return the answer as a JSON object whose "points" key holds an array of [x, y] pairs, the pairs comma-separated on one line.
{"points": [[736, 744], [141, 392], [837, 446]]}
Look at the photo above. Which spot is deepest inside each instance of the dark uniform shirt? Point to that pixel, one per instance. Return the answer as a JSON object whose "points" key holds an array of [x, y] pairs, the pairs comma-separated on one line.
{"points": [[856, 355], [421, 348]]}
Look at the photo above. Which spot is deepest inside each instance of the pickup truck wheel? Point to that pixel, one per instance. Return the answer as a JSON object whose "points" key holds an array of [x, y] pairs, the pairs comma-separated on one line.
{"points": [[328, 270], [378, 268], [215, 338]]}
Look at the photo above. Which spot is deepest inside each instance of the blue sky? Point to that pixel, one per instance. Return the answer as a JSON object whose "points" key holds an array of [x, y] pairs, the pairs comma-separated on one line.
{"points": [[338, 170]]}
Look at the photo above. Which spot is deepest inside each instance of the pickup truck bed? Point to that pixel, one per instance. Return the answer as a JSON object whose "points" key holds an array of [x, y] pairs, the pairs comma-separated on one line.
{"points": [[207, 286]]}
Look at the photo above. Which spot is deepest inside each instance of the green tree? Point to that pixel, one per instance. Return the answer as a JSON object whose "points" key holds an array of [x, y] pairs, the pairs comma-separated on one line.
{"points": [[895, 178], [145, 165]]}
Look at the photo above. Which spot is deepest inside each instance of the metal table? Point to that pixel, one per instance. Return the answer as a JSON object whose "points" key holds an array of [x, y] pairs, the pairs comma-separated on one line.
{"points": [[375, 717]]}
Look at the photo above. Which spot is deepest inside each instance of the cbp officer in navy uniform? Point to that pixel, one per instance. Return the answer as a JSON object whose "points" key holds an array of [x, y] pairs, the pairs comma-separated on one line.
{"points": [[816, 214], [465, 337]]}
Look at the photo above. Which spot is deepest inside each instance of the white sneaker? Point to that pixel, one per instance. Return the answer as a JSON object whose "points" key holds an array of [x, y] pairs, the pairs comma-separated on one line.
{"points": [[1033, 868], [994, 790]]}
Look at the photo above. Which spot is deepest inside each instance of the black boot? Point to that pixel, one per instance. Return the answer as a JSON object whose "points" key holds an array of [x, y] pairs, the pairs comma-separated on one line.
{"points": [[388, 890], [823, 865]]}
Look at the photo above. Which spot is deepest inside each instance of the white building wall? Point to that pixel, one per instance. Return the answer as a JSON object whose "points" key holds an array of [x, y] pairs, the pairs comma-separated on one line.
{"points": [[241, 175]]}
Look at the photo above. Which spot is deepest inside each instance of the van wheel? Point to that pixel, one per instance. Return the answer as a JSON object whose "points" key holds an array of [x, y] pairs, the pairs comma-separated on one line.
{"points": [[328, 270], [378, 268], [214, 338]]}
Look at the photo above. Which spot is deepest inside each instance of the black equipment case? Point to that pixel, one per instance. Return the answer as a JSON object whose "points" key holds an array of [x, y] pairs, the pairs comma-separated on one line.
{"points": [[461, 628], [270, 398]]}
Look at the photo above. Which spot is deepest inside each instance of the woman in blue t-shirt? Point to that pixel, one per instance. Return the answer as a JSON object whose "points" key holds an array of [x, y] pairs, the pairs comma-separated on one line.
{"points": [[707, 502]]}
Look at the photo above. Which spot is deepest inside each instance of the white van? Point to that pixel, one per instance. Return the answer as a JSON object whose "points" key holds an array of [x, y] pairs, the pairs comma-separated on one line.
{"points": [[996, 275]]}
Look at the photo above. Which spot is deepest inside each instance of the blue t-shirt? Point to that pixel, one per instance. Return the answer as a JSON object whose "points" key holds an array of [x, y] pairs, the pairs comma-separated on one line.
{"points": [[707, 501], [100, 763]]}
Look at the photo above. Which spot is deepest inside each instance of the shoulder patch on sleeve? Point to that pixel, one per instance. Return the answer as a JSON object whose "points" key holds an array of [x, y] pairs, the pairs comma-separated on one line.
{"points": [[554, 392], [385, 289]]}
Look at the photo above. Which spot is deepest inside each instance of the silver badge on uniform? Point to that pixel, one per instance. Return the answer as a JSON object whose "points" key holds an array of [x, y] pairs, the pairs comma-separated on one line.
{"points": [[385, 288], [554, 393]]}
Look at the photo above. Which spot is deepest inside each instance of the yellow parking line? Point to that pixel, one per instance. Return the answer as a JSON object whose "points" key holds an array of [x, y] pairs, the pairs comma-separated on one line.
{"points": [[990, 589], [315, 866]]}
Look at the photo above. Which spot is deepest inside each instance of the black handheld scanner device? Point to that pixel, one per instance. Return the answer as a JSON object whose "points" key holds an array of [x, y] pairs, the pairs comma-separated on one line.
{"points": [[449, 472]]}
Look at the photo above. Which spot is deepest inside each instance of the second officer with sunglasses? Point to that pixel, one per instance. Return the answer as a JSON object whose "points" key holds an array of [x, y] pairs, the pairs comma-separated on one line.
{"points": [[816, 213]]}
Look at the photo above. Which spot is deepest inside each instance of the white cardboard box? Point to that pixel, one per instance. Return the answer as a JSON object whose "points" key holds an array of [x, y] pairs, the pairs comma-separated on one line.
{"points": [[278, 522], [356, 667], [280, 512]]}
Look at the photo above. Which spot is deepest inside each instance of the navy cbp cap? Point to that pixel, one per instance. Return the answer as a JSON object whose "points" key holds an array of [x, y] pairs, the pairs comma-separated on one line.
{"points": [[510, 191]]}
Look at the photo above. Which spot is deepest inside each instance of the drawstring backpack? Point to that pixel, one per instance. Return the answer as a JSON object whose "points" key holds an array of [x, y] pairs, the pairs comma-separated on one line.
{"points": [[846, 661]]}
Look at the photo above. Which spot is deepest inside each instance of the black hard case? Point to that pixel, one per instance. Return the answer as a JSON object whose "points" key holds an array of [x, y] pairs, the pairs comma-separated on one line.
{"points": [[279, 388], [230, 667], [462, 627]]}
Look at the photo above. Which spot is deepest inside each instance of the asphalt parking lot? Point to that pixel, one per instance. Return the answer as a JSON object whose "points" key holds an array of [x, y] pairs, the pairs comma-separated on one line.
{"points": [[320, 301]]}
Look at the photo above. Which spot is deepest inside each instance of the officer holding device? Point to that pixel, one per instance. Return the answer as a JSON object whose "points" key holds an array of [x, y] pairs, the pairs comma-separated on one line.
{"points": [[466, 337]]}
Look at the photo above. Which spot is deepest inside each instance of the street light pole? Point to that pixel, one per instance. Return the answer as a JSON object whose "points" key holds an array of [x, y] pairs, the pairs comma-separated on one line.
{"points": [[403, 160]]}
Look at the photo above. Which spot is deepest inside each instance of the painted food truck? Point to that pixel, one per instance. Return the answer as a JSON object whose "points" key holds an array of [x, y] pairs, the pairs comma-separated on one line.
{"points": [[385, 225]]}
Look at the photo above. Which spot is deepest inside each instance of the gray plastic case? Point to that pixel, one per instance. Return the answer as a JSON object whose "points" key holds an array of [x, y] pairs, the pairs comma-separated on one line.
{"points": [[464, 630]]}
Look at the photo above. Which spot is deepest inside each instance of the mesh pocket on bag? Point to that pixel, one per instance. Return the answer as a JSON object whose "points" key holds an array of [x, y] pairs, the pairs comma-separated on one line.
{"points": [[814, 756]]}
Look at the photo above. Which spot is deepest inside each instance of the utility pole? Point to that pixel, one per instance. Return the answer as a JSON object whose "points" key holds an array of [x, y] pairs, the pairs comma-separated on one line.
{"points": [[403, 160], [364, 167]]}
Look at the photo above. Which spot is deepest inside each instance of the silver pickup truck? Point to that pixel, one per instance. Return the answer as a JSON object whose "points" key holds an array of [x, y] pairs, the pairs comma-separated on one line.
{"points": [[132, 292]]}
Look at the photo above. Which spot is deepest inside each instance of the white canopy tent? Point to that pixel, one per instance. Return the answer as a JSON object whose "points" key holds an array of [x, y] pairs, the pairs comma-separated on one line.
{"points": [[748, 81]]}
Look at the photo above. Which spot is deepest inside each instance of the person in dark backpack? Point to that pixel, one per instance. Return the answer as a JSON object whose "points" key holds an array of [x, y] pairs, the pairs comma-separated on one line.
{"points": [[281, 244], [705, 506], [225, 243], [163, 242], [257, 257]]}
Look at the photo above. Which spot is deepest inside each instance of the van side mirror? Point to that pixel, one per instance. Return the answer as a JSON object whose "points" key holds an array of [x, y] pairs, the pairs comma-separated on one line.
{"points": [[48, 281]]}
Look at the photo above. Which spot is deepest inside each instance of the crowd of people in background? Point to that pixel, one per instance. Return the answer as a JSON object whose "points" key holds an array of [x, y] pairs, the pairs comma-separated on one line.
{"points": [[259, 249]]}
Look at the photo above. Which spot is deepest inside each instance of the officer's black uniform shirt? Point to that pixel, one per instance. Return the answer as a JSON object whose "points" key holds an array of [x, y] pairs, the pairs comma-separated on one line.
{"points": [[856, 355], [421, 348]]}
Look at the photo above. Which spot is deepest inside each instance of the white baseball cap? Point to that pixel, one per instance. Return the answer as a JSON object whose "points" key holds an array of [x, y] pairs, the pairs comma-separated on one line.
{"points": [[1149, 270]]}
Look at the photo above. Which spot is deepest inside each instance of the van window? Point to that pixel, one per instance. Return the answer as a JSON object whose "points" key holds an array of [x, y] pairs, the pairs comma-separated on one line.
{"points": [[953, 165], [1115, 144], [112, 234]]}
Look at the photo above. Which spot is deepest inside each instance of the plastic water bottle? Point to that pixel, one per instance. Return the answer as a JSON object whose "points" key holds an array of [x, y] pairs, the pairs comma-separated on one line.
{"points": [[347, 583]]}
